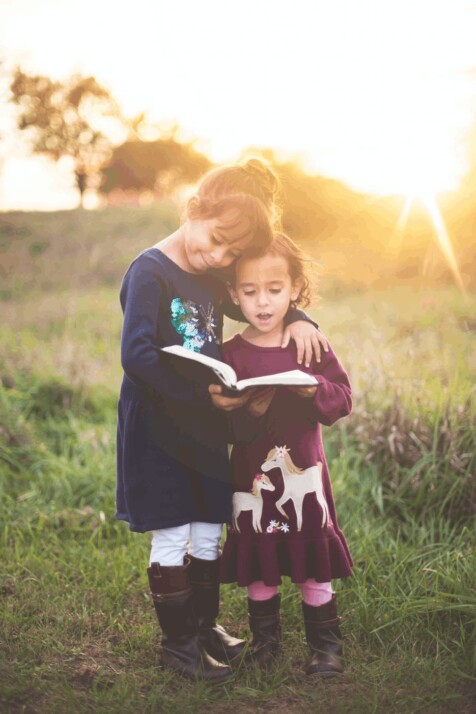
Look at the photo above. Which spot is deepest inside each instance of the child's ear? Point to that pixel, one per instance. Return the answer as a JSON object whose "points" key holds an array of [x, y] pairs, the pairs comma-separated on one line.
{"points": [[296, 288], [233, 294]]}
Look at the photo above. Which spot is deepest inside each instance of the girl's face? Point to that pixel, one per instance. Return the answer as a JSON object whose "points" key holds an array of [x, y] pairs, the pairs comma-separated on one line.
{"points": [[214, 243], [264, 290]]}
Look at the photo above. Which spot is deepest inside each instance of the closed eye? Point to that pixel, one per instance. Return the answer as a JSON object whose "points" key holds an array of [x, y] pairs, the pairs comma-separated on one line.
{"points": [[275, 291]]}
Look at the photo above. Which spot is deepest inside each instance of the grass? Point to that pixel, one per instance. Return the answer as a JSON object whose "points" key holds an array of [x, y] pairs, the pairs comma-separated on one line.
{"points": [[77, 629]]}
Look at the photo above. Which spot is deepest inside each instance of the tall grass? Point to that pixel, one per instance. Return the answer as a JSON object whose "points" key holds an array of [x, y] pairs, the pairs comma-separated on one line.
{"points": [[77, 626]]}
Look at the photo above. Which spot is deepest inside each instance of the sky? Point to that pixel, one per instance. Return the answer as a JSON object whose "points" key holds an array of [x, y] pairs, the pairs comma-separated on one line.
{"points": [[380, 94]]}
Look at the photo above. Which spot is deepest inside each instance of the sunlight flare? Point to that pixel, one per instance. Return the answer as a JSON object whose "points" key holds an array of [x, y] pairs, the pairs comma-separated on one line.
{"points": [[399, 230], [441, 232], [430, 204]]}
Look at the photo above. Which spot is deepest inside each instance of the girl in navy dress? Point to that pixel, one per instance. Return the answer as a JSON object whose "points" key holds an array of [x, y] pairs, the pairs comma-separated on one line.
{"points": [[173, 475], [284, 519]]}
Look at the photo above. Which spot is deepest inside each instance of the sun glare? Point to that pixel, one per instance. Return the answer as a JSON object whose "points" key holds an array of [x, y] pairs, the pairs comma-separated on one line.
{"points": [[430, 204], [380, 101], [441, 233]]}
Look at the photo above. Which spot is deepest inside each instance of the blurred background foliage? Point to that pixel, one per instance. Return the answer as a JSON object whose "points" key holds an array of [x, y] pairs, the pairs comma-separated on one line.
{"points": [[131, 162]]}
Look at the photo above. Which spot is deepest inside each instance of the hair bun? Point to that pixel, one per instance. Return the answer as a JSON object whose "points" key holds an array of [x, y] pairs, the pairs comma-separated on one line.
{"points": [[264, 174], [251, 176]]}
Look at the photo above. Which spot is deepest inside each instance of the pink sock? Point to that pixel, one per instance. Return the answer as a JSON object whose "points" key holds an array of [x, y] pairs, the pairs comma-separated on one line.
{"points": [[316, 594], [259, 591]]}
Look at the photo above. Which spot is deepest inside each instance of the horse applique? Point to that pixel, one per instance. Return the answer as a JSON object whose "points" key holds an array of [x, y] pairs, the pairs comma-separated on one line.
{"points": [[251, 501], [297, 483]]}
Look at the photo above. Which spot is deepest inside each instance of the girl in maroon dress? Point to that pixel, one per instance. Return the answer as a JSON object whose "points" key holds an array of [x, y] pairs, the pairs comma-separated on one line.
{"points": [[284, 519], [173, 475]]}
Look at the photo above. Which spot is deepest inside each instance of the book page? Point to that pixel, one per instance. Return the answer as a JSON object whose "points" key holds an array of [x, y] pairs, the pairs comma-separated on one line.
{"points": [[293, 377], [224, 372]]}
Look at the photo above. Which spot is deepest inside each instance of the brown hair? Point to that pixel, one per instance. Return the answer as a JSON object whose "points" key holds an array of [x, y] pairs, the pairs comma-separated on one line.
{"points": [[249, 190], [298, 264]]}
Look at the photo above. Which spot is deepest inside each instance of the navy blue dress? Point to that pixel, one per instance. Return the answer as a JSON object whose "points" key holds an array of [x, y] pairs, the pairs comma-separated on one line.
{"points": [[172, 460], [172, 457]]}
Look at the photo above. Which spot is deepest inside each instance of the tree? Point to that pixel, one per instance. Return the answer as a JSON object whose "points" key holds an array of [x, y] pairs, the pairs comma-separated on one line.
{"points": [[63, 119], [158, 166]]}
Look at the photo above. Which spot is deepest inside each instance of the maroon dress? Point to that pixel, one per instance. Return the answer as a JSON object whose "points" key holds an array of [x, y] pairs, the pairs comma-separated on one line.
{"points": [[284, 518]]}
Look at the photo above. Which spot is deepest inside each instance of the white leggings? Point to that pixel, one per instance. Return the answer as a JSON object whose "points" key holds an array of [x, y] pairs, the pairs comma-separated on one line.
{"points": [[170, 545]]}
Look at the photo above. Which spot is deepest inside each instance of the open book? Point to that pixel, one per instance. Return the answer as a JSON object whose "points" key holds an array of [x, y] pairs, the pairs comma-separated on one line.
{"points": [[228, 377]]}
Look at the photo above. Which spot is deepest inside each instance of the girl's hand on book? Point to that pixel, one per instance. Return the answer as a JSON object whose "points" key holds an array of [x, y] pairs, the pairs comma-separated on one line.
{"points": [[308, 341], [259, 403], [228, 404], [304, 392]]}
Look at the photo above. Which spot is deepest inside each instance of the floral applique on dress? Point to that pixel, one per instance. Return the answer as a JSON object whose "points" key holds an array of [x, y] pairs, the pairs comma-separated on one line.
{"points": [[276, 527], [196, 323]]}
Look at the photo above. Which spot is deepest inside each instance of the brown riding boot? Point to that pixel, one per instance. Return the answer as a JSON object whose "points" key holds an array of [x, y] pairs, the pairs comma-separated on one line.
{"points": [[206, 600], [181, 648], [263, 616], [324, 639]]}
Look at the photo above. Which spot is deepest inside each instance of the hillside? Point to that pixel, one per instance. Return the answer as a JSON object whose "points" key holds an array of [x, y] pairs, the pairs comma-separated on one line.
{"points": [[351, 238]]}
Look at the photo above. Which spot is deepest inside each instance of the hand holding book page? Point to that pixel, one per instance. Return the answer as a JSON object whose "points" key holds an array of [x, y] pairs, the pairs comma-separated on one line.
{"points": [[228, 377]]}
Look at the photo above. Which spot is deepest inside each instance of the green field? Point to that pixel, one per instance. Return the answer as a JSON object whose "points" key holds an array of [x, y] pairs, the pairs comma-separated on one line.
{"points": [[77, 628]]}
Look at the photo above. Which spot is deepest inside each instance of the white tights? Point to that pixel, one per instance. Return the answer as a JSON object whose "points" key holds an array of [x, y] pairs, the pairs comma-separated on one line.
{"points": [[170, 545]]}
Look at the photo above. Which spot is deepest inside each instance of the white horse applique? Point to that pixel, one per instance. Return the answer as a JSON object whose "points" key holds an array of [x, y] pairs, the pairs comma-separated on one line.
{"points": [[252, 501], [297, 482]]}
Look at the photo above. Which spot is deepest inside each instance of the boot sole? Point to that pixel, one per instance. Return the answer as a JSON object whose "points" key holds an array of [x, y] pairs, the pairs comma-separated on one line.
{"points": [[324, 675], [266, 662], [197, 677], [216, 677]]}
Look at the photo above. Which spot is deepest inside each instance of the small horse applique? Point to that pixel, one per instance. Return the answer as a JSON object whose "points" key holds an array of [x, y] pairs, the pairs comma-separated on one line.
{"points": [[251, 501], [297, 483]]}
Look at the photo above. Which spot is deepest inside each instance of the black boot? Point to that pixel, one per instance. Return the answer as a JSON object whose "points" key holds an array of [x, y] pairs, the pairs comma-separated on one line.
{"points": [[181, 649], [206, 599], [264, 622], [324, 639]]}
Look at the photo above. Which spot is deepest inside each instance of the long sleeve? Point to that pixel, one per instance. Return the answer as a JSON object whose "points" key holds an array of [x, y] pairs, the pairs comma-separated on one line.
{"points": [[333, 399], [141, 296], [294, 315]]}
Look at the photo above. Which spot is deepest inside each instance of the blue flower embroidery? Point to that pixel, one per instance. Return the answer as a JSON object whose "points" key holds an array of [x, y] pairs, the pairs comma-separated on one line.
{"points": [[194, 322]]}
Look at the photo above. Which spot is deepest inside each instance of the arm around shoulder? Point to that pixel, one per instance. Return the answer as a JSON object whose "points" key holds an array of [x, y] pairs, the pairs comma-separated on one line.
{"points": [[294, 314]]}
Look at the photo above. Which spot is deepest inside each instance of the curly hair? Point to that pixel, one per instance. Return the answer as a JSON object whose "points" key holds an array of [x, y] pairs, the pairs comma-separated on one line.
{"points": [[298, 263]]}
